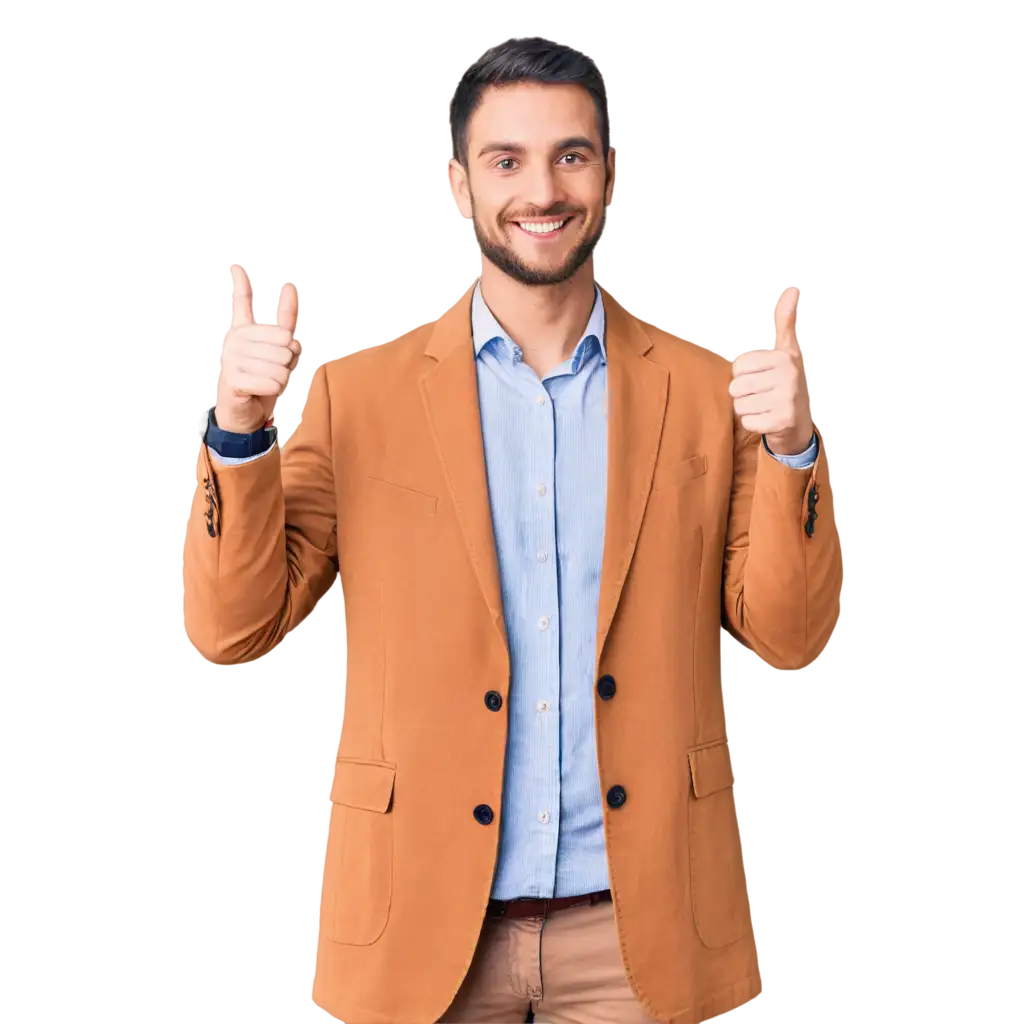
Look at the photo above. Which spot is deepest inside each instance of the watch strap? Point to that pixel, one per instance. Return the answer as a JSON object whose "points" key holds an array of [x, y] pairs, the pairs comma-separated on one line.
{"points": [[237, 446]]}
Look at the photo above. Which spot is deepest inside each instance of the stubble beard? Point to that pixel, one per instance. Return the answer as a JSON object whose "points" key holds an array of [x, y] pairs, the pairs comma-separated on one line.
{"points": [[507, 261]]}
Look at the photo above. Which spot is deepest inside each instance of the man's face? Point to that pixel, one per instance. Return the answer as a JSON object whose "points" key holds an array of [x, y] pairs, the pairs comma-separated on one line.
{"points": [[534, 156]]}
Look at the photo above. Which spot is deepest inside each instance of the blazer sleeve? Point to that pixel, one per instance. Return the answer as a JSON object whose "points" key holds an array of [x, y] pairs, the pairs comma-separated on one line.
{"points": [[781, 580], [261, 540]]}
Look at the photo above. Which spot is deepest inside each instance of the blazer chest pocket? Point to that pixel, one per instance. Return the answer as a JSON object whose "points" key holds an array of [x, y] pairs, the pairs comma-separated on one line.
{"points": [[402, 498], [357, 875], [680, 472], [718, 885]]}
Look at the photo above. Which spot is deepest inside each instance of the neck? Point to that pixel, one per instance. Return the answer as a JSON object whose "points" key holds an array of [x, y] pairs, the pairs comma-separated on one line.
{"points": [[545, 321]]}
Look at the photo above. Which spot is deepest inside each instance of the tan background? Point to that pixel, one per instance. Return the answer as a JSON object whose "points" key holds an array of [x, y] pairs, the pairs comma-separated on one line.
{"points": [[158, 823]]}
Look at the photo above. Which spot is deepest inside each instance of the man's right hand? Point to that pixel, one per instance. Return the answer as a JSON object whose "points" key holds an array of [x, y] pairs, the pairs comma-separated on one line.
{"points": [[257, 359]]}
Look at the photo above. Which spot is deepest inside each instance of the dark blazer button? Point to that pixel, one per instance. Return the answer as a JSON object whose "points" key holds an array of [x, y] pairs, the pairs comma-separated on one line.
{"points": [[483, 814], [493, 700], [616, 796], [606, 687]]}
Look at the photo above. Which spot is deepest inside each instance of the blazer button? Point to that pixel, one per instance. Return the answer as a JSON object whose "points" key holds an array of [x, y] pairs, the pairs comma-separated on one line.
{"points": [[483, 814], [606, 687], [493, 700], [616, 796]]}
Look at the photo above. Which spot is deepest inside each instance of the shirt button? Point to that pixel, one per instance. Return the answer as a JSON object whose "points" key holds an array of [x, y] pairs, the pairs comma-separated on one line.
{"points": [[544, 817], [542, 556], [539, 399], [543, 623], [543, 705], [541, 489]]}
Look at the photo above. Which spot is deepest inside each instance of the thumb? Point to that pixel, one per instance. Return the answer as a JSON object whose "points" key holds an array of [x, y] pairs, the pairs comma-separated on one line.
{"points": [[288, 307], [785, 321], [241, 297]]}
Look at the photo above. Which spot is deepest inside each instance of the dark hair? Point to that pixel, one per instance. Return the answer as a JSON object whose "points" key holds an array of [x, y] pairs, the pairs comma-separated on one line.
{"points": [[515, 60]]}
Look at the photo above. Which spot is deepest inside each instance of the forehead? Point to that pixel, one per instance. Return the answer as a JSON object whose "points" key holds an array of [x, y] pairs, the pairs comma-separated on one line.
{"points": [[533, 114]]}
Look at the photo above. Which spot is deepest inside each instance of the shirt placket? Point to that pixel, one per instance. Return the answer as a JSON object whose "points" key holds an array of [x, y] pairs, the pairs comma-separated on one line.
{"points": [[543, 620]]}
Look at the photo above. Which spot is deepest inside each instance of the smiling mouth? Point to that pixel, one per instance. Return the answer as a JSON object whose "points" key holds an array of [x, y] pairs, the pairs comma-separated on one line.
{"points": [[552, 228]]}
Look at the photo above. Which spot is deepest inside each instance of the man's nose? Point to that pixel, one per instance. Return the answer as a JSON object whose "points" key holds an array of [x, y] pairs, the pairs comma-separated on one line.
{"points": [[541, 188]]}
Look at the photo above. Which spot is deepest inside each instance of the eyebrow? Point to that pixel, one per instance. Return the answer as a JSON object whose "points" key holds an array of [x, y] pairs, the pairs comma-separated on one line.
{"points": [[573, 142]]}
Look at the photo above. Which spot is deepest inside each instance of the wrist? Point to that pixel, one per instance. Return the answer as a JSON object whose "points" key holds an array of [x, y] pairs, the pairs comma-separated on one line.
{"points": [[234, 425], [790, 442], [239, 443]]}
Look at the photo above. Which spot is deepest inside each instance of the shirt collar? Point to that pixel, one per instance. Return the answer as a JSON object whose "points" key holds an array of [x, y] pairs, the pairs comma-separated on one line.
{"points": [[486, 328]]}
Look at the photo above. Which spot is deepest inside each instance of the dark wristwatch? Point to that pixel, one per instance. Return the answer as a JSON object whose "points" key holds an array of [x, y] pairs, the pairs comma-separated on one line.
{"points": [[232, 445]]}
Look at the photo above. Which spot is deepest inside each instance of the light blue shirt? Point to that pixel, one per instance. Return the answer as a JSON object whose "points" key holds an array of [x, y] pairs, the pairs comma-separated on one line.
{"points": [[545, 444]]}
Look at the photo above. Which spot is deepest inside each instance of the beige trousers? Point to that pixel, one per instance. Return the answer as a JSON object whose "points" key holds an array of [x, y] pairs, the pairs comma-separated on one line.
{"points": [[566, 968]]}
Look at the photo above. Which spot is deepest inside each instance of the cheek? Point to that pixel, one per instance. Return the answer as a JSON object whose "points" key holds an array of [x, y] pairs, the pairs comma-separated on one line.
{"points": [[487, 209], [594, 205]]}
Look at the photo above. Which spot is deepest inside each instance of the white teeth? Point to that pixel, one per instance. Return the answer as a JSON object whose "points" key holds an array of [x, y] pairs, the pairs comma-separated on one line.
{"points": [[543, 229]]}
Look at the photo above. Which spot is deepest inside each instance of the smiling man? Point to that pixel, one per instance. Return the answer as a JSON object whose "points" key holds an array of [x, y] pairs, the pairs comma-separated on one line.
{"points": [[543, 511]]}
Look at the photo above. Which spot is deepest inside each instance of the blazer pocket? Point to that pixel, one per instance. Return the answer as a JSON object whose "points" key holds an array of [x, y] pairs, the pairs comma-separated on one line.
{"points": [[680, 472], [357, 883], [401, 496], [718, 885]]}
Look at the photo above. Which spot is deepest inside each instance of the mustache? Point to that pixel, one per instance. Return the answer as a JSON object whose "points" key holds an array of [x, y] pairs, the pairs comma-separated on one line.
{"points": [[554, 213]]}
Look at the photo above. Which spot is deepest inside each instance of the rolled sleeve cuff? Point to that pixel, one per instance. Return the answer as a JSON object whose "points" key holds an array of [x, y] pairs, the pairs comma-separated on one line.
{"points": [[227, 460], [801, 460]]}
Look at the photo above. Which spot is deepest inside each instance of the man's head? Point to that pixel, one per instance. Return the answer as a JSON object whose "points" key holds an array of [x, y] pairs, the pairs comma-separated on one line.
{"points": [[529, 125]]}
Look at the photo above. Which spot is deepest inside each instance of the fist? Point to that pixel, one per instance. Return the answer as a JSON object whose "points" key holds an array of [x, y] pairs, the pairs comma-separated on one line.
{"points": [[257, 359], [769, 389]]}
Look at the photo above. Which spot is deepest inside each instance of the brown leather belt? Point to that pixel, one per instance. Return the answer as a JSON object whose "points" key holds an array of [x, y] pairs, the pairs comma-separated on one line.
{"points": [[526, 906]]}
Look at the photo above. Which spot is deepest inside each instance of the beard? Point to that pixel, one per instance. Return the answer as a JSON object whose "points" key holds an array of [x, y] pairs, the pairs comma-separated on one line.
{"points": [[506, 260]]}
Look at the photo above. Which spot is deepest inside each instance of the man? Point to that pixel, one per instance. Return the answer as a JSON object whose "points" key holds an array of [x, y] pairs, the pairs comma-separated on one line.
{"points": [[543, 510]]}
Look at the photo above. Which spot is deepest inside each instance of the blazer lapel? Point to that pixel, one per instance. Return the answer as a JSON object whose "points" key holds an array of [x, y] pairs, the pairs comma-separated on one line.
{"points": [[637, 398], [450, 397]]}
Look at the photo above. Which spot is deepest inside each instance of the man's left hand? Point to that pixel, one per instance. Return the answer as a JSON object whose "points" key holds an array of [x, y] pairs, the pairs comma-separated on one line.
{"points": [[769, 388]]}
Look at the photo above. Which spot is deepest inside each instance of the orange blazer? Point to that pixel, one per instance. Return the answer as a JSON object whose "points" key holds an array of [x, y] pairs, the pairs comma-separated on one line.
{"points": [[383, 482]]}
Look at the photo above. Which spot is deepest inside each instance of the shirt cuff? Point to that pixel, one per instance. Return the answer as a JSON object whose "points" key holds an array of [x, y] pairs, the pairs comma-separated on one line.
{"points": [[232, 461], [801, 460]]}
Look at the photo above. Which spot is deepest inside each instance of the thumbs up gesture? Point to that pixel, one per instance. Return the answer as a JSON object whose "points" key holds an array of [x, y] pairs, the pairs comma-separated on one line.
{"points": [[769, 389], [257, 359]]}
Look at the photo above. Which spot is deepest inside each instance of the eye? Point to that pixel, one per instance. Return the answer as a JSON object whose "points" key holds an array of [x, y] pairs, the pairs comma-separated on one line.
{"points": [[579, 157], [505, 160]]}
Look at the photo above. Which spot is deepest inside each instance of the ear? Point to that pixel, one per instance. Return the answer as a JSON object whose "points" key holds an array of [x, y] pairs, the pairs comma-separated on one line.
{"points": [[459, 181], [610, 183]]}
